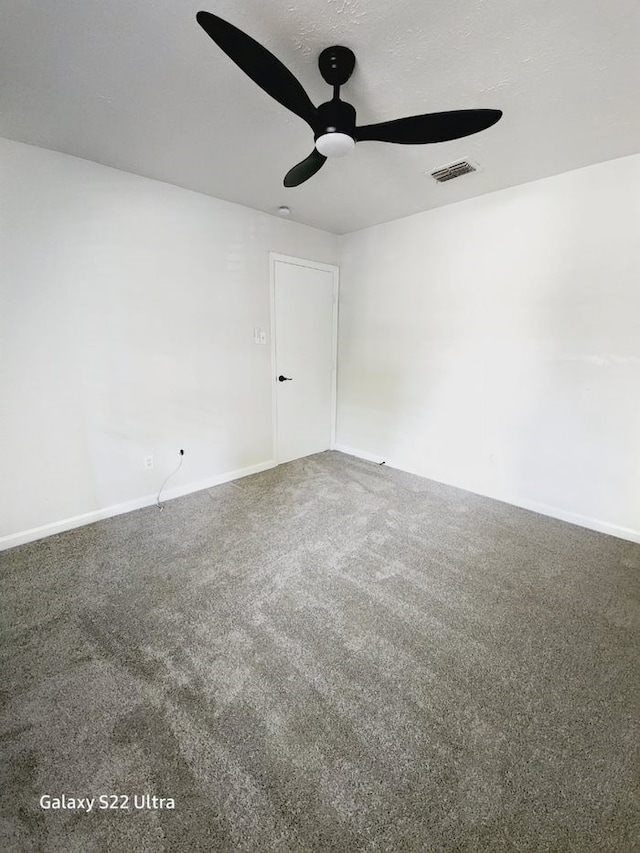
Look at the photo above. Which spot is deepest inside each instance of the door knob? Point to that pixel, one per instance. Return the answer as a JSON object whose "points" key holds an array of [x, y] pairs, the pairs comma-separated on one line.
{"points": [[282, 378]]}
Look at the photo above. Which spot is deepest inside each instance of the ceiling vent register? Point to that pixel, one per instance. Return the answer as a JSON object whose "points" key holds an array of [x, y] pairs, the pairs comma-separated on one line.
{"points": [[455, 170]]}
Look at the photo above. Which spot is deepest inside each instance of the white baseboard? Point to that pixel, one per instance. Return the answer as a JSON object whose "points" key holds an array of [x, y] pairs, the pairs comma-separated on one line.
{"points": [[596, 524], [360, 454], [575, 518], [54, 527], [51, 529]]}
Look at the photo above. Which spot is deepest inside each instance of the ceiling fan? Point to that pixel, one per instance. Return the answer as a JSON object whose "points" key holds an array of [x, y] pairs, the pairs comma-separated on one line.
{"points": [[334, 122]]}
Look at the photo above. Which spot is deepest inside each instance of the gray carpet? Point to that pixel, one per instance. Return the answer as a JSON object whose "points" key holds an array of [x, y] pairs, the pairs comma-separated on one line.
{"points": [[327, 656]]}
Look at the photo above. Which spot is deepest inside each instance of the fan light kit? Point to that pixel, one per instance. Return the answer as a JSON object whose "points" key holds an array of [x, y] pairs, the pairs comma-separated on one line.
{"points": [[334, 123], [335, 144]]}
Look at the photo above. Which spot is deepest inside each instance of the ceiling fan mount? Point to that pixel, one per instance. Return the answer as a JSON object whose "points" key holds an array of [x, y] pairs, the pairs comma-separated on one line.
{"points": [[336, 64], [333, 123]]}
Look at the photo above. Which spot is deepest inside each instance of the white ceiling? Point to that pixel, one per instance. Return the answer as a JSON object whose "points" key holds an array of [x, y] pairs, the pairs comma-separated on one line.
{"points": [[138, 85]]}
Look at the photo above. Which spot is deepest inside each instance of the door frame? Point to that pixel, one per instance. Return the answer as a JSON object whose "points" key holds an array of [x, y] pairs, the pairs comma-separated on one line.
{"points": [[314, 265]]}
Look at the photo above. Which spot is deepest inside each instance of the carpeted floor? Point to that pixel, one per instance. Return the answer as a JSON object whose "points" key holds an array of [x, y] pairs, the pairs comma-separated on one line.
{"points": [[327, 656]]}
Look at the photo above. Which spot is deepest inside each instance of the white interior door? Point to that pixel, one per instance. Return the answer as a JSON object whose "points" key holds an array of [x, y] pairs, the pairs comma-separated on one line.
{"points": [[305, 314]]}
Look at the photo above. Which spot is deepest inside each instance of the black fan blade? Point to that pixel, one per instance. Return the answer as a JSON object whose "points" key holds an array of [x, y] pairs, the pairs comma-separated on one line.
{"points": [[305, 170], [259, 64], [431, 127]]}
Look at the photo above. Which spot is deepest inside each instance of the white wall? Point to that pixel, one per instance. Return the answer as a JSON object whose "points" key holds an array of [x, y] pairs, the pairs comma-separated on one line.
{"points": [[494, 345], [127, 309]]}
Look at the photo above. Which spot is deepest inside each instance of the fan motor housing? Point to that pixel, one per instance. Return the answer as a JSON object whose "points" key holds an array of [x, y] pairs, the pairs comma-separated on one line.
{"points": [[336, 117]]}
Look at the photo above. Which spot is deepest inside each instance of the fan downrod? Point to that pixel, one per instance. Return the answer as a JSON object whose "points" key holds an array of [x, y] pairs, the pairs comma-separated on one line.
{"points": [[336, 64]]}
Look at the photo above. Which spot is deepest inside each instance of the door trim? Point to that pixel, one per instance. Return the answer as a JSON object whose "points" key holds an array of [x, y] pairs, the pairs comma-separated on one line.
{"points": [[314, 265]]}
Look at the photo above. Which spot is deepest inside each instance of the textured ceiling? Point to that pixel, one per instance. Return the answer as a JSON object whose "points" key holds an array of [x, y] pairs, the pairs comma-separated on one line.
{"points": [[137, 84]]}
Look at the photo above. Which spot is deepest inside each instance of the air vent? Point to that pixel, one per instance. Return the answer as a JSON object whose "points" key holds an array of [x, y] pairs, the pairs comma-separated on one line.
{"points": [[448, 173]]}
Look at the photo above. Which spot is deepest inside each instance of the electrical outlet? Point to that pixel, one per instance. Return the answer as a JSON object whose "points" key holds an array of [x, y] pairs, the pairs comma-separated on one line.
{"points": [[259, 335], [148, 461]]}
